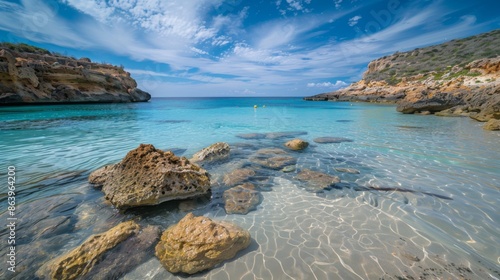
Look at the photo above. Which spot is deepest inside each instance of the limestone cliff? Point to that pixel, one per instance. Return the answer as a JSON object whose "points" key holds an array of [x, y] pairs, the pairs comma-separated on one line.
{"points": [[464, 82], [30, 75]]}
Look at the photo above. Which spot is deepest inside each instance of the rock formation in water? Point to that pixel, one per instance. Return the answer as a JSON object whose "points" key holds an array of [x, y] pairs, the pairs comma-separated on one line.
{"points": [[457, 78], [199, 243], [148, 176], [241, 199], [296, 144], [31, 75], [316, 181], [214, 152], [82, 259]]}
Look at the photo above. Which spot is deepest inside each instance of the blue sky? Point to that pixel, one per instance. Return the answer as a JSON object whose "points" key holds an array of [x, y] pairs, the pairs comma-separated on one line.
{"points": [[241, 47]]}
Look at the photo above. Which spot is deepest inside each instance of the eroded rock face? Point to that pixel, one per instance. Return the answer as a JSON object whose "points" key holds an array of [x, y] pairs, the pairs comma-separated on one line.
{"points": [[44, 78], [199, 243], [316, 181], [241, 199], [217, 151], [297, 144], [83, 258], [148, 176]]}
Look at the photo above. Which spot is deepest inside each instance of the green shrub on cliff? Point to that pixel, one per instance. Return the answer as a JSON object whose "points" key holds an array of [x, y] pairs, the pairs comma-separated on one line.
{"points": [[438, 58], [21, 47]]}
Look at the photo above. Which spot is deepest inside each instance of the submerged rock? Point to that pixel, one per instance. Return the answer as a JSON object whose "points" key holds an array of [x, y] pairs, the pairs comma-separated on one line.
{"points": [[347, 170], [199, 243], [284, 134], [274, 162], [148, 176], [288, 169], [271, 151], [297, 144], [127, 255], [241, 199], [83, 258], [217, 151], [317, 181], [492, 124], [327, 140], [238, 176], [251, 136]]}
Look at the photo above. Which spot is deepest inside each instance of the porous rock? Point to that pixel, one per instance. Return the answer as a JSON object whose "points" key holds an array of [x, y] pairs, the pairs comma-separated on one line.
{"points": [[148, 176]]}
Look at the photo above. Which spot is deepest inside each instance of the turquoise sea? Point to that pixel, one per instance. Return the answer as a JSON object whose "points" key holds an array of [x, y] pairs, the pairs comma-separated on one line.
{"points": [[424, 206]]}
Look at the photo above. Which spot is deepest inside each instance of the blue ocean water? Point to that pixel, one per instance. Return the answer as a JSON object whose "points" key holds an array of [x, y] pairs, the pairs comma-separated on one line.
{"points": [[424, 204]]}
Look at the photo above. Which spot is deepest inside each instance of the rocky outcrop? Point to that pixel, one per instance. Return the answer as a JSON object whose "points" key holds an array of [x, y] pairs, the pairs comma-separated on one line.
{"points": [[148, 176], [199, 243], [297, 144], [241, 199], [316, 181], [217, 151], [83, 258], [44, 78], [418, 84], [492, 125]]}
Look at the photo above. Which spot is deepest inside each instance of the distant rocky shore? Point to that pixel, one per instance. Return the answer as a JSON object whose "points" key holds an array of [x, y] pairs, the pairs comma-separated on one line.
{"points": [[464, 89], [31, 75]]}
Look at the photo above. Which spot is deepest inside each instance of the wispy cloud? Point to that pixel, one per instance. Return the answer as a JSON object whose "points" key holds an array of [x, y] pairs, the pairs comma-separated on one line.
{"points": [[354, 20], [336, 85]]}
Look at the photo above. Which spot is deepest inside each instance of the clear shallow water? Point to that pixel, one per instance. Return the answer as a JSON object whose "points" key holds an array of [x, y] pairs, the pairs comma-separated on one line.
{"points": [[437, 219]]}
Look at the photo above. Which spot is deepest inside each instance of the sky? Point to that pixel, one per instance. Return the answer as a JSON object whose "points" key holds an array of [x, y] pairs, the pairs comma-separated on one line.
{"points": [[186, 48]]}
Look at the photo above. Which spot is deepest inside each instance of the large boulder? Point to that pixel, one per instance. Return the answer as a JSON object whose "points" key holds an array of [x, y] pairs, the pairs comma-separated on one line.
{"points": [[316, 181], [199, 243], [297, 144], [217, 151], [148, 176], [241, 199], [83, 258]]}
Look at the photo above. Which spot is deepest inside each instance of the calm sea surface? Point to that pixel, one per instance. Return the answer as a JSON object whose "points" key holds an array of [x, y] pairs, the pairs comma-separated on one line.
{"points": [[435, 215]]}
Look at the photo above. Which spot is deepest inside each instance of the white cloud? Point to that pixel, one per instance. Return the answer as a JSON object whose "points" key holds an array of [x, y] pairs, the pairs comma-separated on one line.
{"points": [[354, 20], [293, 6], [337, 3], [97, 9], [337, 84]]}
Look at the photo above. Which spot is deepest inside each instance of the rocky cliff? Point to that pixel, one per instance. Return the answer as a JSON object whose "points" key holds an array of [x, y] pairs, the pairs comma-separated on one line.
{"points": [[458, 78], [30, 75]]}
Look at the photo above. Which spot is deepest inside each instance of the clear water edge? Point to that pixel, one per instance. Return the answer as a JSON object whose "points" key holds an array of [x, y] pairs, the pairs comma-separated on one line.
{"points": [[341, 233]]}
